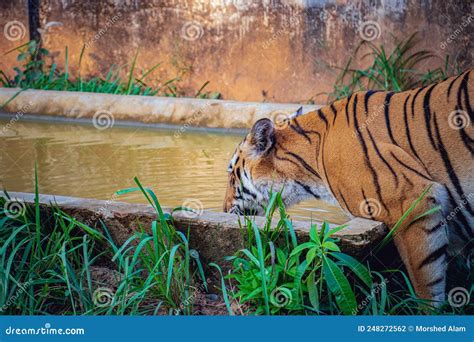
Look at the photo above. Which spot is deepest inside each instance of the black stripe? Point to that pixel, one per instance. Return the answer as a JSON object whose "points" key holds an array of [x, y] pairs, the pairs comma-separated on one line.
{"points": [[324, 168], [347, 108], [436, 281], [247, 192], [434, 229], [300, 131], [449, 167], [433, 256], [308, 189], [409, 182], [427, 111], [383, 159], [237, 172], [407, 126], [367, 161], [323, 117], [303, 162], [459, 217], [368, 94], [354, 105], [344, 201], [467, 102], [452, 83], [414, 99], [367, 203], [387, 116], [466, 139], [287, 159], [297, 157], [409, 167]]}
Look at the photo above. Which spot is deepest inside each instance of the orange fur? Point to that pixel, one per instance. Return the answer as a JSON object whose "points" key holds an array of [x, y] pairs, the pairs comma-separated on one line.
{"points": [[375, 153]]}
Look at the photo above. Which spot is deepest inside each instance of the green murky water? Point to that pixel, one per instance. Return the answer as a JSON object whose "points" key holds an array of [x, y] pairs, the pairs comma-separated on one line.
{"points": [[82, 161]]}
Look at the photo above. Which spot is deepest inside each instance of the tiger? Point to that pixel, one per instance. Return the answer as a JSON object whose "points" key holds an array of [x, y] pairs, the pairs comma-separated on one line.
{"points": [[373, 154]]}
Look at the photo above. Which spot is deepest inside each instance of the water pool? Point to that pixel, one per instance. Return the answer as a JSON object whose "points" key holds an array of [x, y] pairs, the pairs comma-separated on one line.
{"points": [[82, 161]]}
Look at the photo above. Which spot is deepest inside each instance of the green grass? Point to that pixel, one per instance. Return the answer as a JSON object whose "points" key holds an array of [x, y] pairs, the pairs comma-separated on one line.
{"points": [[276, 274], [46, 265], [33, 73], [396, 70]]}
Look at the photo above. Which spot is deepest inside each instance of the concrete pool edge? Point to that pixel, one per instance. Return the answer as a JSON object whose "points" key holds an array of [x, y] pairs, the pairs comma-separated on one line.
{"points": [[183, 112], [215, 235]]}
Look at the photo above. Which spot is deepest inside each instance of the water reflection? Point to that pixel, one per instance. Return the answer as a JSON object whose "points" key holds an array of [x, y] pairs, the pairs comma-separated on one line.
{"points": [[76, 160]]}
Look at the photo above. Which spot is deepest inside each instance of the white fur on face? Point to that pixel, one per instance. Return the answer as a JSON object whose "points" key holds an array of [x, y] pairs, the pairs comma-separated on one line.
{"points": [[253, 195]]}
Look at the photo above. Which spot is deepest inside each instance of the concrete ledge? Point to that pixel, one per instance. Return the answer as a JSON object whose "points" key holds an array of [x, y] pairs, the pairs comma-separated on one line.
{"points": [[145, 109], [214, 235]]}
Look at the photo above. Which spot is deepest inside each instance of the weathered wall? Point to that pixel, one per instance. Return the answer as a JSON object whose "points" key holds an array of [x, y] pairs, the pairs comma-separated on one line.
{"points": [[276, 50], [14, 31]]}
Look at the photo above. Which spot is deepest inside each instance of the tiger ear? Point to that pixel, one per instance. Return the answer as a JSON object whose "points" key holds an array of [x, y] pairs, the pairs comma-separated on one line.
{"points": [[262, 136]]}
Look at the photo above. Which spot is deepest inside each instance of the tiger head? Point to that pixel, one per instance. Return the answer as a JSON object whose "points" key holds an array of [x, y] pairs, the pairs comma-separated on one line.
{"points": [[272, 158]]}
